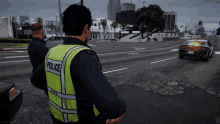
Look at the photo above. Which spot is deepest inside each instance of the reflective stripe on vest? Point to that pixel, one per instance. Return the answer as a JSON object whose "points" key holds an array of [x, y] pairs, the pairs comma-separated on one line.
{"points": [[61, 91]]}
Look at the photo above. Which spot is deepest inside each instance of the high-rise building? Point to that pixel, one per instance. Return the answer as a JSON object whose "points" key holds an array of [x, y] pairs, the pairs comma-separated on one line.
{"points": [[127, 14], [23, 19], [113, 7], [170, 20], [128, 6], [191, 26]]}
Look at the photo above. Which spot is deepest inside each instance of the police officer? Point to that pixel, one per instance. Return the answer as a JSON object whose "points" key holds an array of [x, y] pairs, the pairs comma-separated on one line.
{"points": [[37, 51], [78, 91]]}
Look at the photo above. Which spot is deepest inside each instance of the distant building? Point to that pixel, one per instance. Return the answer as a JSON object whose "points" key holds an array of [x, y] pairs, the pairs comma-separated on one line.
{"points": [[113, 7], [23, 19], [6, 30], [127, 16], [191, 26], [48, 30], [128, 6], [170, 20]]}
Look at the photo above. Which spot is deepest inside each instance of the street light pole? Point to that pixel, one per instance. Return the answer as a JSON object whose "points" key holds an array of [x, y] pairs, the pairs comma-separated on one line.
{"points": [[61, 32], [56, 25], [143, 4]]}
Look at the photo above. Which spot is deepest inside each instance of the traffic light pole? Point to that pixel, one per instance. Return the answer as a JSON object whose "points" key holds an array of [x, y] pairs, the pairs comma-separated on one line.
{"points": [[61, 32]]}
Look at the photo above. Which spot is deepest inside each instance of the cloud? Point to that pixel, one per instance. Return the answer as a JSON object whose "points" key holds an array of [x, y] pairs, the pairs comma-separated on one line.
{"points": [[5, 6]]}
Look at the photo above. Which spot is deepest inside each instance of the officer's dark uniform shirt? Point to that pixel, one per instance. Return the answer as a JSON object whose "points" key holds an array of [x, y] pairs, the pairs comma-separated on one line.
{"points": [[37, 51], [90, 85]]}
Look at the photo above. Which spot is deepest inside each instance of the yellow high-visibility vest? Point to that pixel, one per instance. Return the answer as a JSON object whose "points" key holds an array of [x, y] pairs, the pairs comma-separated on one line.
{"points": [[62, 97]]}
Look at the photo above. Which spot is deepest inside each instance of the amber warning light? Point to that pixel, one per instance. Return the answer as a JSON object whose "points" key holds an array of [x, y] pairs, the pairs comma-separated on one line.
{"points": [[12, 93]]}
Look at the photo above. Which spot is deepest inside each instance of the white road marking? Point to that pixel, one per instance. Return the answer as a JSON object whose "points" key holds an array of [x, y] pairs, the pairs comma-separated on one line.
{"points": [[16, 56], [162, 60], [114, 70], [15, 61], [174, 50], [138, 48], [133, 53], [18, 51], [216, 52]]}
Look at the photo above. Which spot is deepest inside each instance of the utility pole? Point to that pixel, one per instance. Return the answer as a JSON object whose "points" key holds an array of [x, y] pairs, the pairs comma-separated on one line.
{"points": [[82, 2], [143, 4], [61, 33], [56, 25]]}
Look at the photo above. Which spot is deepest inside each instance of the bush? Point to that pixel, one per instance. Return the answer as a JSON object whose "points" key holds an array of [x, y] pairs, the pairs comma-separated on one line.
{"points": [[155, 39]]}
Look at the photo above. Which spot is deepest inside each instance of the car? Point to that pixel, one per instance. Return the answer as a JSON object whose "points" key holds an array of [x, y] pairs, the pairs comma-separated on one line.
{"points": [[196, 48], [54, 38], [11, 100]]}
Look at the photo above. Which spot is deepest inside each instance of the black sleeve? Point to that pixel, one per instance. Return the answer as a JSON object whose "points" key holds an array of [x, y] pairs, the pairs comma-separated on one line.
{"points": [[42, 53], [38, 79], [86, 67]]}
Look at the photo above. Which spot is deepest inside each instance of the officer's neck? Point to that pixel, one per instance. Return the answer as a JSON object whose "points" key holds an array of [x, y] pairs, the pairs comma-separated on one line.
{"points": [[38, 36], [82, 37]]}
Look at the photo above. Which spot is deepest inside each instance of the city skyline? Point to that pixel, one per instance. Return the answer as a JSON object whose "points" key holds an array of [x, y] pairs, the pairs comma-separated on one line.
{"points": [[188, 10]]}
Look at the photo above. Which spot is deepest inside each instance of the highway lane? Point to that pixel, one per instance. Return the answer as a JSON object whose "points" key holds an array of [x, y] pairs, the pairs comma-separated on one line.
{"points": [[143, 85]]}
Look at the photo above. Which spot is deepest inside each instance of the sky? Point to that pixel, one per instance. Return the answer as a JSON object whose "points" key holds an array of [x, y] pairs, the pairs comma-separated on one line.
{"points": [[187, 10]]}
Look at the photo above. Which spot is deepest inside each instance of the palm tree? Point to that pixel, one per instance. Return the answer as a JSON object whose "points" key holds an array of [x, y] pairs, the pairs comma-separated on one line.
{"points": [[39, 20], [185, 29], [14, 24], [52, 27], [123, 24], [103, 23], [114, 25], [168, 28], [195, 29]]}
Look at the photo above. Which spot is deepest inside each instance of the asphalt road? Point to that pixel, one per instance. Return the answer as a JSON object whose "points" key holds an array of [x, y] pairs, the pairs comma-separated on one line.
{"points": [[157, 86]]}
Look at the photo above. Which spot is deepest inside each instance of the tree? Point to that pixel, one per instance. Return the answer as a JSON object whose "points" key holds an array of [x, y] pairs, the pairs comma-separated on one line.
{"points": [[39, 20], [175, 30], [52, 27], [114, 25], [123, 24], [27, 24], [218, 31], [170, 30], [151, 17], [14, 26], [103, 23]]}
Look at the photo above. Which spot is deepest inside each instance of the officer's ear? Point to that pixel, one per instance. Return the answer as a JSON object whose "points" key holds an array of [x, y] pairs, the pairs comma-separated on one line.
{"points": [[86, 27]]}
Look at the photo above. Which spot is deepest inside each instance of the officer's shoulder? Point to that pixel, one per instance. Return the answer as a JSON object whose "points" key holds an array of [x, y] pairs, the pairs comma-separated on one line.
{"points": [[89, 52]]}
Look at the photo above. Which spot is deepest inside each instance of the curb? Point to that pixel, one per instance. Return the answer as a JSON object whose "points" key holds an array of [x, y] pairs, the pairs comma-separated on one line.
{"points": [[13, 49]]}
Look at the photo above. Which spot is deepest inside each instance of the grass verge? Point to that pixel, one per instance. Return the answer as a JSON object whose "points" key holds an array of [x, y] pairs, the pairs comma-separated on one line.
{"points": [[13, 45]]}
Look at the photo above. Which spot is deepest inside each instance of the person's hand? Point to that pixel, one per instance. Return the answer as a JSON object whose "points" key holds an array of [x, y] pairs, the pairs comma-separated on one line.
{"points": [[114, 120]]}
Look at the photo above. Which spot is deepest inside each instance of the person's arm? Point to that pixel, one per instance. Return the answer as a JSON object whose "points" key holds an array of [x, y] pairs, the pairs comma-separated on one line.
{"points": [[42, 52], [86, 67], [38, 79]]}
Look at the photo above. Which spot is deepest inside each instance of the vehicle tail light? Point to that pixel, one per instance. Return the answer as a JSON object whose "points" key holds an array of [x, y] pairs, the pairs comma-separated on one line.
{"points": [[12, 92], [182, 46], [202, 48]]}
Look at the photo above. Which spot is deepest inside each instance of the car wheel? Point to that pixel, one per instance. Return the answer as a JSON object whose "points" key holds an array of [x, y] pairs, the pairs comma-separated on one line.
{"points": [[181, 56], [206, 59]]}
